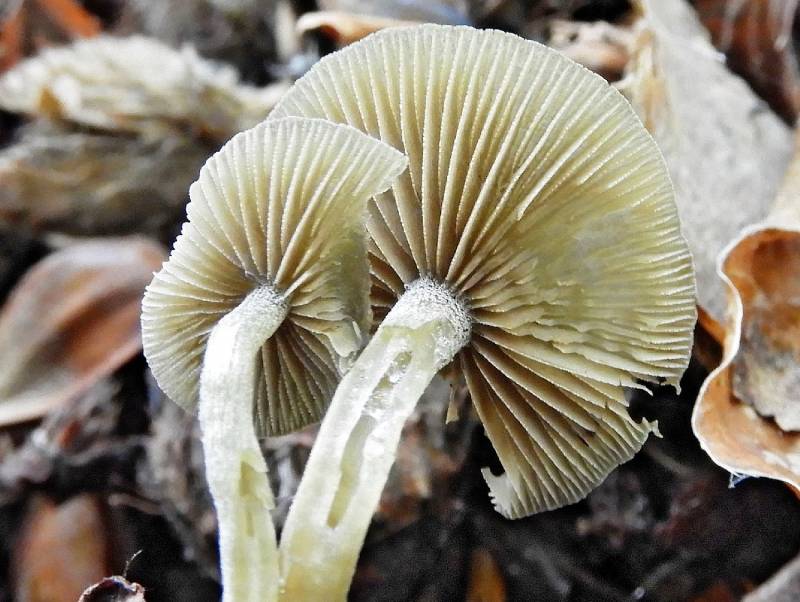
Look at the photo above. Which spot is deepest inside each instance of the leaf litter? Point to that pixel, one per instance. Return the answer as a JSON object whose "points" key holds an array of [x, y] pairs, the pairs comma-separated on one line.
{"points": [[99, 151]]}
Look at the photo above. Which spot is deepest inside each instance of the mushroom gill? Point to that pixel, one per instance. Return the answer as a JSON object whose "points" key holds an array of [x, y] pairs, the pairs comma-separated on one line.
{"points": [[264, 295], [535, 194], [537, 209], [280, 206]]}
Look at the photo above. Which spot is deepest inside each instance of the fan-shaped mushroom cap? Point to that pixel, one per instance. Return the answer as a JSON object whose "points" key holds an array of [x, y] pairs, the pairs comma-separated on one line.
{"points": [[536, 194], [281, 204]]}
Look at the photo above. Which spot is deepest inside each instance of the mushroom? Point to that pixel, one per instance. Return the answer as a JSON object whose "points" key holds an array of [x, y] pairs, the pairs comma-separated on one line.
{"points": [[262, 300], [533, 244]]}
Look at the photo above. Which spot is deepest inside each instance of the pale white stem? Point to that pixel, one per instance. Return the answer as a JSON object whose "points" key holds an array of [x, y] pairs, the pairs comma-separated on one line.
{"points": [[235, 468], [357, 442]]}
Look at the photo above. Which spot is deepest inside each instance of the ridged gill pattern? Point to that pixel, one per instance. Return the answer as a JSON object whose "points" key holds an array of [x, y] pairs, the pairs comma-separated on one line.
{"points": [[281, 204], [537, 195]]}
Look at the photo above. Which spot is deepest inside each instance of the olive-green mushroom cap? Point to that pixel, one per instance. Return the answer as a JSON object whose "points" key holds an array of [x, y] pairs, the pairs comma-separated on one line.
{"points": [[281, 204], [536, 194]]}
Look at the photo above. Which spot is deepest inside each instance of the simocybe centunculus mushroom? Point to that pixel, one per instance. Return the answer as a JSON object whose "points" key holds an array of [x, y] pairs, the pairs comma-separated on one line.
{"points": [[533, 243], [261, 303]]}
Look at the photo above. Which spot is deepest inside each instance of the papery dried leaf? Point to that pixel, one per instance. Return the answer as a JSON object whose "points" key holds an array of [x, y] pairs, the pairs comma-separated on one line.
{"points": [[132, 121], [599, 46], [85, 183], [726, 151], [486, 582], [138, 85], [345, 28], [247, 38], [765, 269], [756, 36], [83, 443], [709, 336], [738, 439], [761, 363], [61, 550], [113, 589], [11, 33], [30, 25], [71, 17], [73, 319], [452, 12]]}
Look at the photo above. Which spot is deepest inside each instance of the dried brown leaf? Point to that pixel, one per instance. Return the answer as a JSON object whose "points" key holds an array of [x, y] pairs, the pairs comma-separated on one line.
{"points": [[764, 268], [486, 582], [114, 589], [756, 37], [726, 151], [26, 25], [345, 28], [738, 439], [602, 47], [135, 85], [709, 336], [61, 550], [73, 319], [121, 127], [84, 183], [11, 34], [250, 38], [423, 11], [70, 16], [760, 372]]}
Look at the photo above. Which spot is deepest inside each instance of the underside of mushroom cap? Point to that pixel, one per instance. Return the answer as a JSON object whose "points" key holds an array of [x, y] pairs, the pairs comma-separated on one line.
{"points": [[282, 205], [535, 193]]}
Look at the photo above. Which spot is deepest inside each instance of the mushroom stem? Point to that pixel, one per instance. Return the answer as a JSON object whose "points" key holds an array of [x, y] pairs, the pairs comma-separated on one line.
{"points": [[357, 442], [235, 467]]}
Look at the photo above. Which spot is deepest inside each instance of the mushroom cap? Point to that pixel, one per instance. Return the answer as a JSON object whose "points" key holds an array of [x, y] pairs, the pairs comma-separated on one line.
{"points": [[536, 194], [281, 204]]}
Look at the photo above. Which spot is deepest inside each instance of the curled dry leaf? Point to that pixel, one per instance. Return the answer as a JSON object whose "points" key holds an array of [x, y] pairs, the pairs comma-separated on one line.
{"points": [[113, 589], [130, 123], [345, 28], [446, 12], [61, 550], [136, 85], [89, 183], [73, 319], [26, 25], [11, 34], [602, 47], [760, 371], [766, 371], [70, 16], [250, 37], [756, 37], [725, 150], [486, 582]]}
